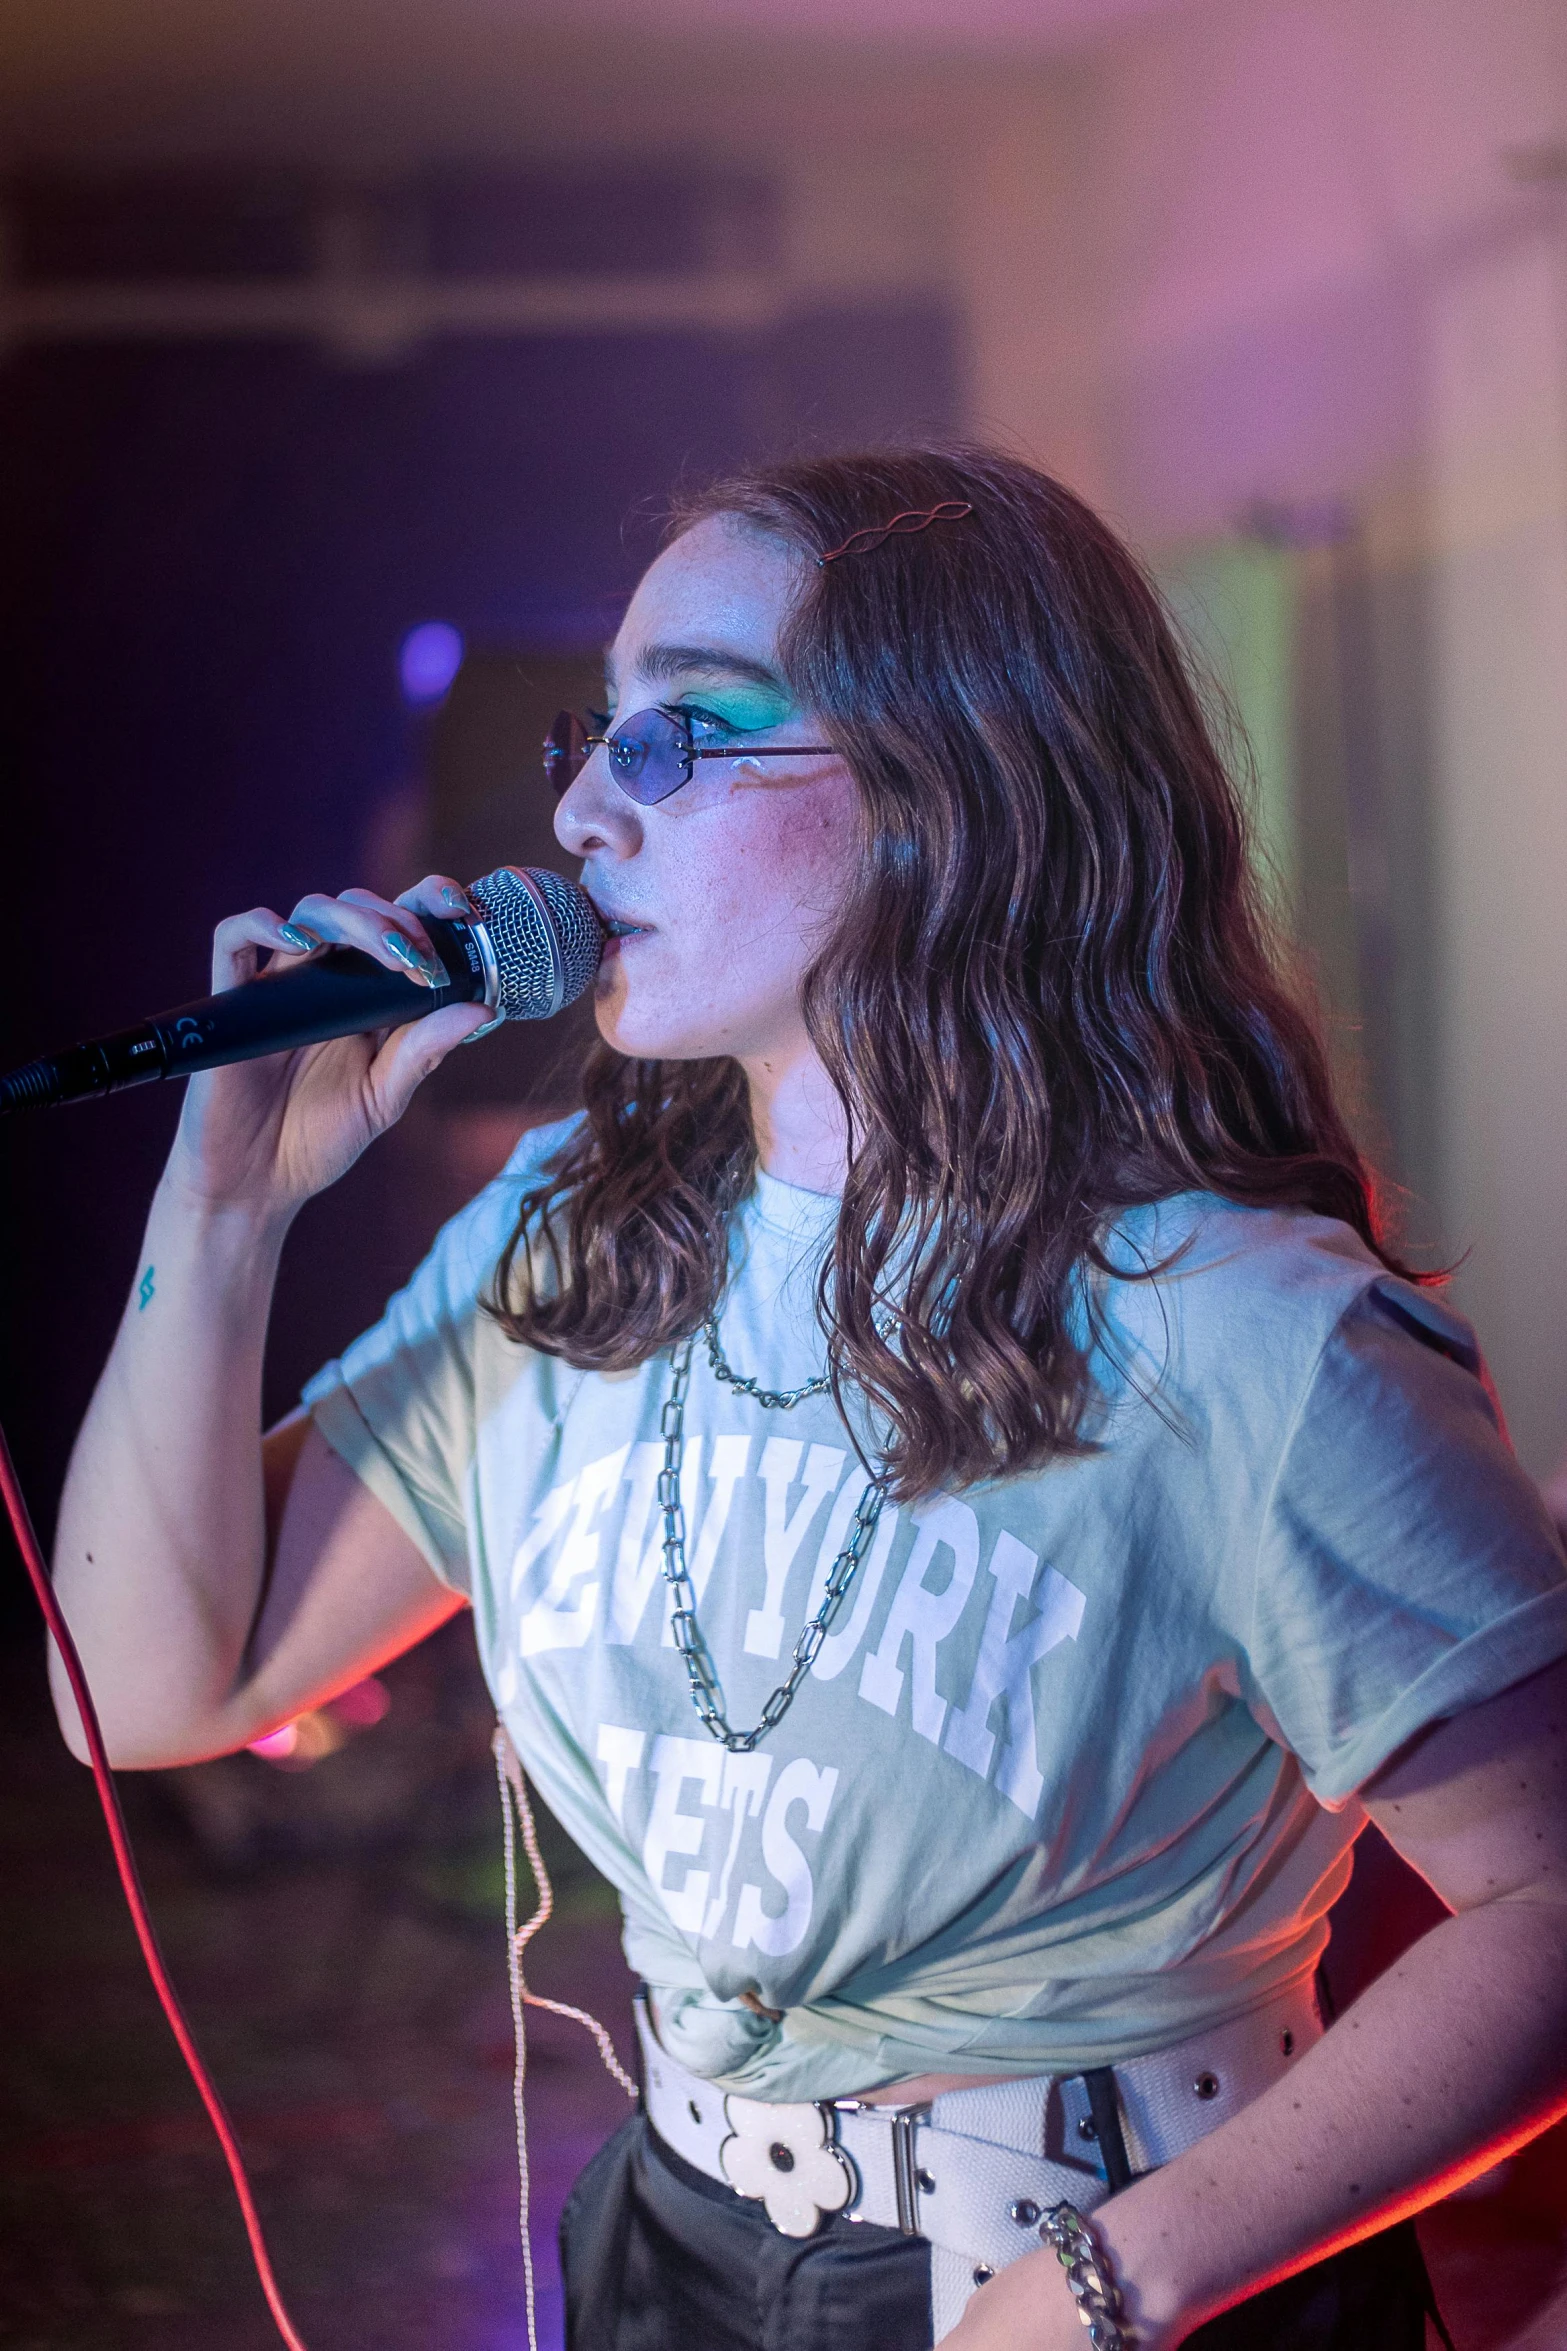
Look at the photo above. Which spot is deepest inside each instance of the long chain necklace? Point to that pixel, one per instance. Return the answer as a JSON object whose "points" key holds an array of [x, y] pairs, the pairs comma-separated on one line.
{"points": [[707, 1691]]}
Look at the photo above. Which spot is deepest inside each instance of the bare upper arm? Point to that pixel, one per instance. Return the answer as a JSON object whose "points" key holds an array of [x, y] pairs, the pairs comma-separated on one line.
{"points": [[346, 1588], [1478, 1803]]}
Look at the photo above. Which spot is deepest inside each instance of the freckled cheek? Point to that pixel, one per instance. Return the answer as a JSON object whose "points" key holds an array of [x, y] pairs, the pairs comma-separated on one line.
{"points": [[763, 882], [730, 886], [811, 837], [818, 859]]}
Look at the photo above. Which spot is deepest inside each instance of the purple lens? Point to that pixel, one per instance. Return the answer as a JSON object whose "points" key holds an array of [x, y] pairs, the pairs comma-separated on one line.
{"points": [[565, 751], [650, 757]]}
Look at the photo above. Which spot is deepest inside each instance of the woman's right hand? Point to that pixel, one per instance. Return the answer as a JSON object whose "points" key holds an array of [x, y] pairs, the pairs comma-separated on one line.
{"points": [[266, 1135]]}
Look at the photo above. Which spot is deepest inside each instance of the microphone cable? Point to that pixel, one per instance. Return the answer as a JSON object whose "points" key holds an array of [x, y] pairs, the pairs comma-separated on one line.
{"points": [[135, 1899]]}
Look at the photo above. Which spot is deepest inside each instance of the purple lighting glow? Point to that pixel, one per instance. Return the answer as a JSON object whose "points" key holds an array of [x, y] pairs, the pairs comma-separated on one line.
{"points": [[430, 658]]}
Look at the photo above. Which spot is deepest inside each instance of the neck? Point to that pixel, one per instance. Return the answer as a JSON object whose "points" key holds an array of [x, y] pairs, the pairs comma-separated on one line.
{"points": [[801, 1135]]}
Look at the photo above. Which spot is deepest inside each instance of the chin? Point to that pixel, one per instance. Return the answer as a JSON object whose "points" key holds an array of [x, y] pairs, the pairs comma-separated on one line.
{"points": [[642, 1034]]}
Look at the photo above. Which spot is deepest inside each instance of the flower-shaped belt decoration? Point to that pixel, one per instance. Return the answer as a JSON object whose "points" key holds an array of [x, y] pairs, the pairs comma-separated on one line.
{"points": [[783, 2155]]}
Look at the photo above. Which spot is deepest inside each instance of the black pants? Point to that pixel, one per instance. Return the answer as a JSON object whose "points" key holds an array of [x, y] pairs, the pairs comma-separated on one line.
{"points": [[657, 2257]]}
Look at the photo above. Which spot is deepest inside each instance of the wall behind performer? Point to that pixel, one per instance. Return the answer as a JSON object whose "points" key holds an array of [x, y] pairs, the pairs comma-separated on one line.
{"points": [[948, 1090]]}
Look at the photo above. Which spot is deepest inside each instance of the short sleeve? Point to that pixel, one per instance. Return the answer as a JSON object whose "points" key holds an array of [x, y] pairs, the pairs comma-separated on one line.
{"points": [[1407, 1567], [399, 1405]]}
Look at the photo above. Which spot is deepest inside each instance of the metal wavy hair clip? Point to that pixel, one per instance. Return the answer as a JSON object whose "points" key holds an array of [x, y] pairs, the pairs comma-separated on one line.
{"points": [[914, 518]]}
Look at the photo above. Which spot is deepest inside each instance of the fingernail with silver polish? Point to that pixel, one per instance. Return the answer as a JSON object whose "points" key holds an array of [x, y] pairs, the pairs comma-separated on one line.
{"points": [[459, 899], [419, 966], [292, 936]]}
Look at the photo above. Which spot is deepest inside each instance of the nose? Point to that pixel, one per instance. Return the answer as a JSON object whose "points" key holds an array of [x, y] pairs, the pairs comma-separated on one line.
{"points": [[595, 815]]}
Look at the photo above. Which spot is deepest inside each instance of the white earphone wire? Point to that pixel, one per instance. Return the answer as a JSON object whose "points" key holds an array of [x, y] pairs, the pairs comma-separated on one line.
{"points": [[517, 1812]]}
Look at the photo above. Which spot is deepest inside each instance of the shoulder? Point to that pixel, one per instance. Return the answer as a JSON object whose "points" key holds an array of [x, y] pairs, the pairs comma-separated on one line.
{"points": [[457, 1271], [1212, 1268], [475, 1237], [1216, 1299], [530, 1163]]}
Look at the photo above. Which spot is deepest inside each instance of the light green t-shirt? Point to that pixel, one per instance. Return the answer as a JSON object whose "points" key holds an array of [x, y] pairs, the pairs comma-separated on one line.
{"points": [[1074, 1774]]}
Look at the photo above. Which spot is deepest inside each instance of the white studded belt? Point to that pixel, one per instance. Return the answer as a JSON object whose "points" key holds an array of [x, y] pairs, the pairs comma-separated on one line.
{"points": [[972, 2171]]}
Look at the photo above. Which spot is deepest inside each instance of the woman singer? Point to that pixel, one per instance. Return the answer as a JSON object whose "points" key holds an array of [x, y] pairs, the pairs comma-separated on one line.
{"points": [[964, 1514]]}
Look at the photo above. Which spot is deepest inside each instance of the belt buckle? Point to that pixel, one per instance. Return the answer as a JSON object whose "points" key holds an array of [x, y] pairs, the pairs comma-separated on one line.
{"points": [[787, 2158], [903, 2121]]}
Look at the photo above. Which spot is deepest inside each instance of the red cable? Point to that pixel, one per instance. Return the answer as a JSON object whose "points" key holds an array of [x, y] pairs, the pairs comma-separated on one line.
{"points": [[125, 1863]]}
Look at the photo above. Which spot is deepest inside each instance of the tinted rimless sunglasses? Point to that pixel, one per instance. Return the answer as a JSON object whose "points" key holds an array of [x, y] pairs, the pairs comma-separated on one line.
{"points": [[651, 755]]}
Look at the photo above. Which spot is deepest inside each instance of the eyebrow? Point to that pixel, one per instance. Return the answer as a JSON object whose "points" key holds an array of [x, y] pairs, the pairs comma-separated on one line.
{"points": [[669, 661]]}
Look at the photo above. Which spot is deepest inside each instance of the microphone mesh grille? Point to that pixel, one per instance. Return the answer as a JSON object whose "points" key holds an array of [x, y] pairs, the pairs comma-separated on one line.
{"points": [[546, 935]]}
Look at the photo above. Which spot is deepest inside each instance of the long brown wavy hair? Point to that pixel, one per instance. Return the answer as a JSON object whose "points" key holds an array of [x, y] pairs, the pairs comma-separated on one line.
{"points": [[1052, 992]]}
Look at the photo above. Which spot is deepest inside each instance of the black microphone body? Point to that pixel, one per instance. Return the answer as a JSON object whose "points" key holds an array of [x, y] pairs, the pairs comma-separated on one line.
{"points": [[339, 993], [534, 948]]}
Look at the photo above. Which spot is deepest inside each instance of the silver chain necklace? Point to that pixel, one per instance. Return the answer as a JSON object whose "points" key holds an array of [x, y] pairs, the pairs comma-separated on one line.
{"points": [[707, 1691]]}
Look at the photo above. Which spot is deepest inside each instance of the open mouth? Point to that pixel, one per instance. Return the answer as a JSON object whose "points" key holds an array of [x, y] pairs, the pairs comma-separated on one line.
{"points": [[616, 925]]}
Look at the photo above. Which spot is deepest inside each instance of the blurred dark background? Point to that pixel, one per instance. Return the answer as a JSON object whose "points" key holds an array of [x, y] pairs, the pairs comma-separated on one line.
{"points": [[349, 350], [281, 614], [216, 553]]}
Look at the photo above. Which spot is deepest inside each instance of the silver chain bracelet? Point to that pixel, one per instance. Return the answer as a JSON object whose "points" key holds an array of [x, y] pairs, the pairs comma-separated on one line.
{"points": [[1069, 2237]]}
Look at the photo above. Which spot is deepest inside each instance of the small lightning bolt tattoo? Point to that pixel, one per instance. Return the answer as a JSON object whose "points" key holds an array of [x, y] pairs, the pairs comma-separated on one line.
{"points": [[144, 1291]]}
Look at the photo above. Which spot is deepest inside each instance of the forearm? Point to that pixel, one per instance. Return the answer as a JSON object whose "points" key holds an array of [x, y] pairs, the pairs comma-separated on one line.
{"points": [[1456, 2054], [161, 1549]]}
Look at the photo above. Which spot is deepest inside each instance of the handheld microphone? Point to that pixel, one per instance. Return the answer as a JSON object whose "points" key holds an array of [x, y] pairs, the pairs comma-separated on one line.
{"points": [[533, 950]]}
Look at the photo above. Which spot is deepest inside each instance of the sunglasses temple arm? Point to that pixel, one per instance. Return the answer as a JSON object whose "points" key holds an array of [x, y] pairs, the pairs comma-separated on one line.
{"points": [[762, 751]]}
